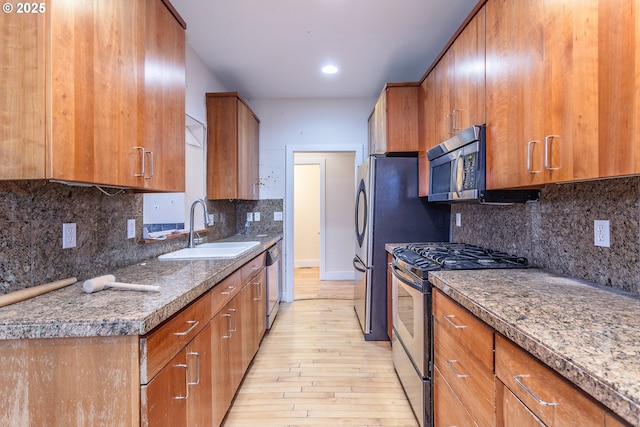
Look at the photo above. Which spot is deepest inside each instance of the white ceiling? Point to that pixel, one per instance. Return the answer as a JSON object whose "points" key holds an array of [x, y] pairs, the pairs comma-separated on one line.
{"points": [[275, 48]]}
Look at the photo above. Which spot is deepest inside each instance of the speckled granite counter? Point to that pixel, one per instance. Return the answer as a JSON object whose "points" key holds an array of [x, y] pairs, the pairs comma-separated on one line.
{"points": [[589, 335], [70, 312]]}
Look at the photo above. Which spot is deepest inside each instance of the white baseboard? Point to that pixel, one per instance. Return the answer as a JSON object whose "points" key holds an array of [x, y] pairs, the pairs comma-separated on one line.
{"points": [[338, 275], [305, 263]]}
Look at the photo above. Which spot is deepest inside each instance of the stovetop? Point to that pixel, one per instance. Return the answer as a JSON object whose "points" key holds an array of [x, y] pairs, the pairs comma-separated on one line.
{"points": [[419, 258]]}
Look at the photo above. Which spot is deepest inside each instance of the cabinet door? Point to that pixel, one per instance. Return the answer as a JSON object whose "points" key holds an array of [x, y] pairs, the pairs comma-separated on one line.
{"points": [[401, 118], [248, 130], [510, 411], [164, 100], [514, 91], [95, 76], [222, 387], [542, 92], [222, 150], [427, 118], [166, 395], [468, 52], [443, 123], [378, 126], [619, 87], [199, 369], [22, 99]]}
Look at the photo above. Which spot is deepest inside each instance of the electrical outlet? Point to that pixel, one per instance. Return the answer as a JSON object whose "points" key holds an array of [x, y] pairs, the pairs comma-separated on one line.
{"points": [[256, 216], [601, 236], [131, 228], [68, 235], [250, 216], [211, 219], [277, 216], [458, 219]]}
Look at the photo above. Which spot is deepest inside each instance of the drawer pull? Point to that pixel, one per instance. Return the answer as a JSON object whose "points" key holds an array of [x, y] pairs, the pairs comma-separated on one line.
{"points": [[186, 381], [259, 285], [531, 393], [449, 321], [197, 381], [193, 324], [229, 328], [229, 290], [450, 363], [235, 320]]}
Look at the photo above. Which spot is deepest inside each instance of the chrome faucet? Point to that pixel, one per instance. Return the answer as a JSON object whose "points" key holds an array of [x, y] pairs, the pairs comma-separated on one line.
{"points": [[206, 219]]}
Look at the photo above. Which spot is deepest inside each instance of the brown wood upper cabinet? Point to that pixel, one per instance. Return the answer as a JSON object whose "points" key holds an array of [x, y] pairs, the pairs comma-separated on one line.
{"points": [[543, 91], [393, 124], [94, 92], [451, 97], [232, 148], [458, 94]]}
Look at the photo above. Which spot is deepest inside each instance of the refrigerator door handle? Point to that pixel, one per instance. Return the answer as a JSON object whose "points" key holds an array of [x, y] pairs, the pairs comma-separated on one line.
{"points": [[359, 265]]}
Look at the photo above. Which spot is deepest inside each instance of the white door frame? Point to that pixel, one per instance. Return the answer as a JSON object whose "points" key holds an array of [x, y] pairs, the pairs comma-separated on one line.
{"points": [[322, 163], [287, 295]]}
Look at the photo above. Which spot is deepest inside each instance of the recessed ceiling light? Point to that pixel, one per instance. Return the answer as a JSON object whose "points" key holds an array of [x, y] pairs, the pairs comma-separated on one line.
{"points": [[329, 69]]}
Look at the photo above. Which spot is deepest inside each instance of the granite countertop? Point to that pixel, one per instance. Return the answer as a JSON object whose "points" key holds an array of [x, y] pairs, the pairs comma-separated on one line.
{"points": [[70, 312], [588, 334]]}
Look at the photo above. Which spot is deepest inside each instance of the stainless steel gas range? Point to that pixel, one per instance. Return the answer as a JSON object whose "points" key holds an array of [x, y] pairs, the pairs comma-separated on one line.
{"points": [[412, 340]]}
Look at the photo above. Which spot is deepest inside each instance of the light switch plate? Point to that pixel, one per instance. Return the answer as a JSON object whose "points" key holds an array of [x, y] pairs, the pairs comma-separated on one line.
{"points": [[131, 228], [249, 216], [458, 219], [256, 216]]}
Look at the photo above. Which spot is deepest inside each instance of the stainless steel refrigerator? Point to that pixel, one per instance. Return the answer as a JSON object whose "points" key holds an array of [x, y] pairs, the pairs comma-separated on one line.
{"points": [[388, 210]]}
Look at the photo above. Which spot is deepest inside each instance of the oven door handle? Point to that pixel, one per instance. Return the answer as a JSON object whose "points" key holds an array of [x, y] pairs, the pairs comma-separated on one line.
{"points": [[359, 265], [397, 273]]}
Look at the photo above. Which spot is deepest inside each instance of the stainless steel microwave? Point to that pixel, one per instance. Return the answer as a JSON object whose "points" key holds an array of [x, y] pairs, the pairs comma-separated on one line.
{"points": [[457, 171]]}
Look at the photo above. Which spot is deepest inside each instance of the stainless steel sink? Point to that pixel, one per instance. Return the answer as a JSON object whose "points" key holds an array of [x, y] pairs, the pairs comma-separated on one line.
{"points": [[211, 251]]}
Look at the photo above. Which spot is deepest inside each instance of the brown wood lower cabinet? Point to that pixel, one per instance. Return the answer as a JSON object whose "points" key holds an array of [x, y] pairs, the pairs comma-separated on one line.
{"points": [[185, 372]]}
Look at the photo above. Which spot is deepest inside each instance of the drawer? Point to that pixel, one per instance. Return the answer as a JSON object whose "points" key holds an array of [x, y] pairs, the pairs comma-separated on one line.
{"points": [[251, 268], [447, 408], [224, 292], [467, 329], [549, 396], [165, 341], [510, 411], [470, 380]]}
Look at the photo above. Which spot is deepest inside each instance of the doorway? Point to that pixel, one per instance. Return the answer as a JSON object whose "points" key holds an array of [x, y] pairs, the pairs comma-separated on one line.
{"points": [[335, 258]]}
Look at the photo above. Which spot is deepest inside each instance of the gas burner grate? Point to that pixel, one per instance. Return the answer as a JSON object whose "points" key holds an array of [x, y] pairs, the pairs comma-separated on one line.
{"points": [[464, 256]]}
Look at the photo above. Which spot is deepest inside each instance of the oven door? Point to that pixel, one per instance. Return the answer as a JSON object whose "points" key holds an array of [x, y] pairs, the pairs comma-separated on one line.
{"points": [[410, 317]]}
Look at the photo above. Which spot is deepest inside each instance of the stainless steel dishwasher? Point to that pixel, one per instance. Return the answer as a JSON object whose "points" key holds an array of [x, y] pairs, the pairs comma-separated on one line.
{"points": [[274, 281]]}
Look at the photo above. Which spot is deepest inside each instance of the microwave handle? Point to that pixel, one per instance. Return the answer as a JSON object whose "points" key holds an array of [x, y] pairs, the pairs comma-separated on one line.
{"points": [[457, 181]]}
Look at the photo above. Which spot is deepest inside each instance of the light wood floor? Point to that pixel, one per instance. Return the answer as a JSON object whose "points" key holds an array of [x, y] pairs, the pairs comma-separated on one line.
{"points": [[314, 368], [307, 285]]}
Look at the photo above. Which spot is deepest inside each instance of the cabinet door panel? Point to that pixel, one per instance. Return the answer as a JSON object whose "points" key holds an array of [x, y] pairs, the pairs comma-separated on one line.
{"points": [[619, 87], [222, 391], [164, 99], [199, 364], [514, 91], [164, 399], [22, 98], [510, 411], [95, 77]]}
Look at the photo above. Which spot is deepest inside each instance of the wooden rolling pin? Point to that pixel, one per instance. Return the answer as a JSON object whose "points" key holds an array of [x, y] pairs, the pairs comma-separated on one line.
{"points": [[34, 291]]}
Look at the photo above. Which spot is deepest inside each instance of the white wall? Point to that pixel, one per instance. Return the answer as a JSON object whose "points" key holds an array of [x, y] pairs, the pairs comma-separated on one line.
{"points": [[199, 80], [312, 122], [299, 125]]}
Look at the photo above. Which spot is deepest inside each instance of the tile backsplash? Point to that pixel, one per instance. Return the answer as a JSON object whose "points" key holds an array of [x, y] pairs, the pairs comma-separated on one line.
{"points": [[31, 218], [557, 233]]}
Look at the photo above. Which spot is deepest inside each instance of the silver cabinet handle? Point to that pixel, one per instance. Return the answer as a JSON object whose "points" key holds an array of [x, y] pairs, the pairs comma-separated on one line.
{"points": [[530, 392], [186, 382], [193, 324], [450, 124], [151, 169], [224, 337], [259, 285], [141, 149], [235, 320], [547, 161], [197, 381], [529, 145], [449, 321], [450, 363], [229, 291], [456, 121]]}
